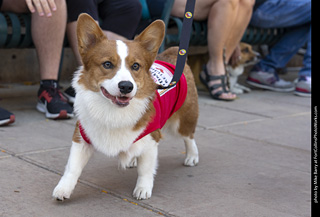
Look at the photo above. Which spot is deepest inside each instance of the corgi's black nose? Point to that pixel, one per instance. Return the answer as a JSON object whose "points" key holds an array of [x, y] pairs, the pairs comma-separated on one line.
{"points": [[125, 87]]}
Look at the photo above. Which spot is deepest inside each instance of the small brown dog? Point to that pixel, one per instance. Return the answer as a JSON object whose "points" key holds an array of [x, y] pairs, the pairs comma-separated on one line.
{"points": [[247, 57]]}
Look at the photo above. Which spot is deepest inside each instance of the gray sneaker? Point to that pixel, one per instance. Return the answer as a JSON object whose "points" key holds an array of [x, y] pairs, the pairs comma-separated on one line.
{"points": [[269, 81], [303, 86]]}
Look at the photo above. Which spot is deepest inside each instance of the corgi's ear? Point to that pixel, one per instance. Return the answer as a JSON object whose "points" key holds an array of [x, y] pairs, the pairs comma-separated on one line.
{"points": [[88, 33], [152, 37]]}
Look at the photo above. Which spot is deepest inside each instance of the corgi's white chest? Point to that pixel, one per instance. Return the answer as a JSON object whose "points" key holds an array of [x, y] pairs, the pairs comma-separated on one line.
{"points": [[107, 126]]}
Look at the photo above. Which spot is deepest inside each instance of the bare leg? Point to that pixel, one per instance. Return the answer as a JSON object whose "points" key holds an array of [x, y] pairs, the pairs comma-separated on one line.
{"points": [[48, 36], [47, 33], [72, 39], [239, 26], [221, 16], [220, 22]]}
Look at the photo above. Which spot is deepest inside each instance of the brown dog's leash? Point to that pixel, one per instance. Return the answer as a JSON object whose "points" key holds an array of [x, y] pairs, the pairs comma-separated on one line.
{"points": [[183, 45]]}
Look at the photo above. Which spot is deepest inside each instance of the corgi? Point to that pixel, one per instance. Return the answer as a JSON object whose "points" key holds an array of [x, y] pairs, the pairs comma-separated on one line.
{"points": [[248, 57], [117, 105]]}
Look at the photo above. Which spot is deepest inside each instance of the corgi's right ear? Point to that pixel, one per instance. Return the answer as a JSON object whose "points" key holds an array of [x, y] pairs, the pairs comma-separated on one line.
{"points": [[88, 33]]}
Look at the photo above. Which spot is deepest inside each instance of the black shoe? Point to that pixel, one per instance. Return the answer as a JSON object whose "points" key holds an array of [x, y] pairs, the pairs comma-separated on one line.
{"points": [[53, 103], [70, 94], [6, 117]]}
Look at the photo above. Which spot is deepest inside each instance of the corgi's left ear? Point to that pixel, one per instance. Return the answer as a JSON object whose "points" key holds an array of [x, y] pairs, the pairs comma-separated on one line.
{"points": [[88, 33], [152, 37]]}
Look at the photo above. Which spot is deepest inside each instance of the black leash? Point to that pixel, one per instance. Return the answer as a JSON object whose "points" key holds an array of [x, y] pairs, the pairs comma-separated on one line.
{"points": [[183, 45]]}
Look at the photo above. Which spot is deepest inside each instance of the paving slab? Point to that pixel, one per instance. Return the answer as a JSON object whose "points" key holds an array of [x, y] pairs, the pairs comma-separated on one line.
{"points": [[254, 161], [25, 191], [262, 103]]}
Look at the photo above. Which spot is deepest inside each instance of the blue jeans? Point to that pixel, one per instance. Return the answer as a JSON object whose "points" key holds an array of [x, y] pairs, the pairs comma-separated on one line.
{"points": [[292, 14]]}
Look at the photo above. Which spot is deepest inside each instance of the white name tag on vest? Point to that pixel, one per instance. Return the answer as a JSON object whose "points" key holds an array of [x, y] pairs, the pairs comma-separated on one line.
{"points": [[161, 76]]}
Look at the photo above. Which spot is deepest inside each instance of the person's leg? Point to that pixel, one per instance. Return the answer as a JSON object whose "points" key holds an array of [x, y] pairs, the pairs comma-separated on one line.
{"points": [[75, 8], [241, 22], [120, 18], [292, 14], [17, 6], [306, 70], [285, 49], [106, 10], [221, 19], [221, 16], [282, 14], [48, 35], [303, 86], [72, 39]]}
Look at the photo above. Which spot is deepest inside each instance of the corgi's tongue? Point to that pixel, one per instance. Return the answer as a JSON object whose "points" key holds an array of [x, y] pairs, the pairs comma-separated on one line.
{"points": [[121, 101]]}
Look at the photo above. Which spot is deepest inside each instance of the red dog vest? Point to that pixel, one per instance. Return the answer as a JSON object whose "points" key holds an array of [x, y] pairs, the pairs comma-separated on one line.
{"points": [[166, 102]]}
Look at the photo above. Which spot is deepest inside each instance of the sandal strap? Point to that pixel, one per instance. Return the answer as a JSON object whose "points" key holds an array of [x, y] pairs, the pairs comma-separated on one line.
{"points": [[223, 84], [217, 94], [215, 86], [222, 78], [215, 77]]}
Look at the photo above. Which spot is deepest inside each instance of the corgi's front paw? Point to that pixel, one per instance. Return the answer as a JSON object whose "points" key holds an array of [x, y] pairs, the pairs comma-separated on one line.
{"points": [[63, 190], [191, 160], [143, 189], [142, 193]]}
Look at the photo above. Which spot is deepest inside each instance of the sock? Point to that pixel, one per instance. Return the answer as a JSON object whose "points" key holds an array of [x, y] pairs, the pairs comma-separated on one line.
{"points": [[48, 83]]}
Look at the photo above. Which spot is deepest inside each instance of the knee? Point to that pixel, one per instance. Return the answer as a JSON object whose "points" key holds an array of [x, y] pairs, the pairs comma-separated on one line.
{"points": [[231, 3], [248, 4], [61, 4]]}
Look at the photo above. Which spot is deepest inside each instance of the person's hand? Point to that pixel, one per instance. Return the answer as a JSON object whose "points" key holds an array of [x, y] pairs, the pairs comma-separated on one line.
{"points": [[43, 7]]}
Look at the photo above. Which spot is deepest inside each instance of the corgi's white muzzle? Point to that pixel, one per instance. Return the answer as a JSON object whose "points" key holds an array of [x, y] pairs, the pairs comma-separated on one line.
{"points": [[123, 94]]}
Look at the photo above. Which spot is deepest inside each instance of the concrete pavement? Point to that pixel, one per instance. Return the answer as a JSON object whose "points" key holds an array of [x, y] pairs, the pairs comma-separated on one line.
{"points": [[254, 161]]}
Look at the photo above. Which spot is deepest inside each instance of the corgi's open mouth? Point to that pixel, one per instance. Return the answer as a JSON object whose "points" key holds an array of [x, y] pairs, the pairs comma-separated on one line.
{"points": [[121, 101]]}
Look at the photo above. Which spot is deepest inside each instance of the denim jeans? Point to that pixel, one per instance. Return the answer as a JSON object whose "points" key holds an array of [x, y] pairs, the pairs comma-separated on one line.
{"points": [[292, 14]]}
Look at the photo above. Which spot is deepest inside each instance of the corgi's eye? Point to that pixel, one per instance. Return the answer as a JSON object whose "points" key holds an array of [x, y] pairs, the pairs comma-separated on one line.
{"points": [[135, 66], [107, 65], [245, 50]]}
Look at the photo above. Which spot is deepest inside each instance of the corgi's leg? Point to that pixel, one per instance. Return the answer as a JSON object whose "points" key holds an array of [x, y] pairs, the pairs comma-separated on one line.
{"points": [[147, 167], [127, 160], [192, 155], [80, 153], [180, 130], [133, 163]]}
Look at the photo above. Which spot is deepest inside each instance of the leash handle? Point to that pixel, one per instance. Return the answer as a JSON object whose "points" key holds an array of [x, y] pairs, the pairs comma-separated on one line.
{"points": [[183, 45]]}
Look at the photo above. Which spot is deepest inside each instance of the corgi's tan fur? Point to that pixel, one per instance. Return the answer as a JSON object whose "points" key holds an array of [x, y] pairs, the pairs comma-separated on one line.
{"points": [[114, 104], [248, 57]]}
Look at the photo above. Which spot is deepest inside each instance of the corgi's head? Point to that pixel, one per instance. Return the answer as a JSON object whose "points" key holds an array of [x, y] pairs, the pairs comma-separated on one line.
{"points": [[247, 56], [117, 70]]}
